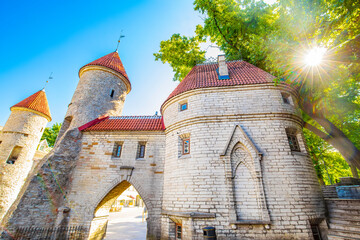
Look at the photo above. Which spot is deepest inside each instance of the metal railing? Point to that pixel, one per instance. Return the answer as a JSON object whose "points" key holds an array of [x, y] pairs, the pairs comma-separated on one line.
{"points": [[59, 233]]}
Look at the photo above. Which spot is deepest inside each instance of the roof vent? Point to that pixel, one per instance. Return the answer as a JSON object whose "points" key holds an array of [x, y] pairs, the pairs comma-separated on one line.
{"points": [[223, 70]]}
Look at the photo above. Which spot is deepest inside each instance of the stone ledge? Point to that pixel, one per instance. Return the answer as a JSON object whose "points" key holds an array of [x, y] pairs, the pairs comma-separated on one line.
{"points": [[233, 117], [189, 214], [251, 222], [299, 153], [127, 167], [342, 199]]}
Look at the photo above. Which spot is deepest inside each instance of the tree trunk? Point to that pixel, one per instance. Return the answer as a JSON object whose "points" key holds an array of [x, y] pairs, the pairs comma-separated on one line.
{"points": [[333, 135], [354, 171], [345, 147]]}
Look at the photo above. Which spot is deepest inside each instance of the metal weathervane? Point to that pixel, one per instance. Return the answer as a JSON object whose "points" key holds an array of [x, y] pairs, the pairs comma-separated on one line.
{"points": [[47, 81], [121, 36]]}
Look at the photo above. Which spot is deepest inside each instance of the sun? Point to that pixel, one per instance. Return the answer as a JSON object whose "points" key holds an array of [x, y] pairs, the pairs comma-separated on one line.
{"points": [[314, 56]]}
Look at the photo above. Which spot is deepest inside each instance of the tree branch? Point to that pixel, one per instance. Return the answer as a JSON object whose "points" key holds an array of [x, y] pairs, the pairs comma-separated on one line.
{"points": [[317, 132], [222, 34]]}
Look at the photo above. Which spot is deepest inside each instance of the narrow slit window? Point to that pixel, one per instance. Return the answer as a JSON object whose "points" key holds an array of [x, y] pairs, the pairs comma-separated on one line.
{"points": [[141, 150], [316, 232], [292, 138], [112, 93], [14, 155], [178, 231], [117, 149], [186, 146]]}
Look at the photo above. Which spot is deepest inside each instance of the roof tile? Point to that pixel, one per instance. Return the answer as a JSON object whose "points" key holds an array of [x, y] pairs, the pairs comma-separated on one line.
{"points": [[112, 61], [37, 102], [127, 123], [205, 75]]}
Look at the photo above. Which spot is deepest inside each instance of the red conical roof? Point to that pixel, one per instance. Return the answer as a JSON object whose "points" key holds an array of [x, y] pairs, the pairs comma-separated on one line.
{"points": [[37, 102], [112, 61]]}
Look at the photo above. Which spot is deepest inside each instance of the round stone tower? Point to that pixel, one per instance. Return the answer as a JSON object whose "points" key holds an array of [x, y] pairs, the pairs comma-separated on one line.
{"points": [[18, 142], [101, 90], [235, 157]]}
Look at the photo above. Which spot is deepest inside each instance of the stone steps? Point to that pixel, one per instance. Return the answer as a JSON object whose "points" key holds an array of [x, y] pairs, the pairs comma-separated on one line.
{"points": [[347, 220], [344, 219], [344, 214], [345, 227], [339, 237], [343, 235]]}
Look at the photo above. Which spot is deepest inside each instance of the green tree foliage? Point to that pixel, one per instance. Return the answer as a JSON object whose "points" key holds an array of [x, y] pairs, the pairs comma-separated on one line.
{"points": [[51, 133], [330, 166], [187, 50], [275, 38]]}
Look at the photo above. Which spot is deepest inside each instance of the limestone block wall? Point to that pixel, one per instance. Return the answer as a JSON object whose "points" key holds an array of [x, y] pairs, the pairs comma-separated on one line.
{"points": [[244, 100], [201, 182], [23, 129], [99, 178], [47, 186], [92, 97]]}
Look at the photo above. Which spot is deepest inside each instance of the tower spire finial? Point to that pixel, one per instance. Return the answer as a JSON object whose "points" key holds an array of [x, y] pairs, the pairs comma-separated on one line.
{"points": [[120, 37], [47, 81]]}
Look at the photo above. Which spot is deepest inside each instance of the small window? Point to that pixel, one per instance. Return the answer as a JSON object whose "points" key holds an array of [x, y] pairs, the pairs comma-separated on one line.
{"points": [[141, 150], [117, 149], [286, 98], [293, 142], [183, 106], [112, 93], [186, 146], [316, 231], [14, 155], [178, 231]]}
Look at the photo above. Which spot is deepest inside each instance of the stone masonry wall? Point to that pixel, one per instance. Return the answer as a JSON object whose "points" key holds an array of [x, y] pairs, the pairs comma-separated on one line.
{"points": [[23, 129], [99, 176], [92, 98], [47, 186], [199, 183]]}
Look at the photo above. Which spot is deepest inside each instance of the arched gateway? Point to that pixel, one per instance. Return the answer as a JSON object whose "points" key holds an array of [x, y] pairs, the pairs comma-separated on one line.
{"points": [[218, 156], [110, 163], [102, 209]]}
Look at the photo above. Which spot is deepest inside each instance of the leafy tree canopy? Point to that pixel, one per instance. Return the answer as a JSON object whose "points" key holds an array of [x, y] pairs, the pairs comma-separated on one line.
{"points": [[187, 50], [51, 133], [276, 38]]}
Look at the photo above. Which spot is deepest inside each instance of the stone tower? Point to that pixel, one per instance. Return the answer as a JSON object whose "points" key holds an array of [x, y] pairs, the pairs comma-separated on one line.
{"points": [[101, 90], [229, 161], [18, 141]]}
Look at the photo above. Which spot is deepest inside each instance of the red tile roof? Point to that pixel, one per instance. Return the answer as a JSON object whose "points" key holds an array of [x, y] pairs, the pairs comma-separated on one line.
{"points": [[37, 102], [125, 123], [205, 75], [112, 61]]}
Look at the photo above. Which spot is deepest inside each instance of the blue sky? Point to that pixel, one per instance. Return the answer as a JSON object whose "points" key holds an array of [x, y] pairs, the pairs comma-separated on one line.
{"points": [[40, 37]]}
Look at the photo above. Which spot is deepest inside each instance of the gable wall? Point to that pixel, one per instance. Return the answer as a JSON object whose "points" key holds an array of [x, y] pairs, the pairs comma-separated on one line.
{"points": [[98, 172]]}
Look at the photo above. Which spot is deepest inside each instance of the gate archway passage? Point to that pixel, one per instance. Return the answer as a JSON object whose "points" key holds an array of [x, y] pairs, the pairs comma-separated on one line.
{"points": [[101, 176], [101, 214]]}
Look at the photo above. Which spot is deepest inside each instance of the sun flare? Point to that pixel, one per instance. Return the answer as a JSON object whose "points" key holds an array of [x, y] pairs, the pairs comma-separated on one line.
{"points": [[314, 56]]}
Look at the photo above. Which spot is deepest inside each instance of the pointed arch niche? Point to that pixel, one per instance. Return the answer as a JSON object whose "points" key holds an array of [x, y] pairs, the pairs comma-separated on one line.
{"points": [[244, 180]]}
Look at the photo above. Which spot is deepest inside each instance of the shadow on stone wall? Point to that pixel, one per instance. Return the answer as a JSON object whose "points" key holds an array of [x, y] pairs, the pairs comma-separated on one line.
{"points": [[45, 192]]}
